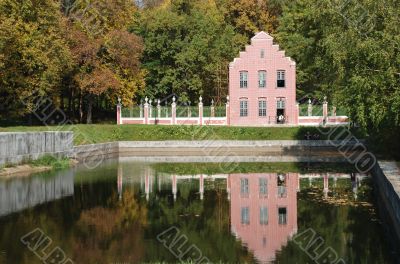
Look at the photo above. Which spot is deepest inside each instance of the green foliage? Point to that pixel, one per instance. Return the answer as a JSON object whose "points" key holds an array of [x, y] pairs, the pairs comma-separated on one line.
{"points": [[349, 52], [188, 46], [27, 29], [51, 161]]}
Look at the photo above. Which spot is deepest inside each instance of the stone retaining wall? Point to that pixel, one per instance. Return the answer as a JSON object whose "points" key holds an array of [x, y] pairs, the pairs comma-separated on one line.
{"points": [[17, 147], [387, 179]]}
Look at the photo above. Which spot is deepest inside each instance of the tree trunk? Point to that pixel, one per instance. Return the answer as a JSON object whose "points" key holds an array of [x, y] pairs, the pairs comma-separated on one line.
{"points": [[80, 107], [89, 109]]}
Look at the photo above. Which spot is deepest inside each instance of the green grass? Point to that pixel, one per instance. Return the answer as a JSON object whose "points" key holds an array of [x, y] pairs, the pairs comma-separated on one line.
{"points": [[251, 167], [50, 161], [91, 134]]}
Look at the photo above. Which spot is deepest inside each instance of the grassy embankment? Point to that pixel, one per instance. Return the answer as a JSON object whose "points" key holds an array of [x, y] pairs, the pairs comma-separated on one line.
{"points": [[90, 134], [45, 161]]}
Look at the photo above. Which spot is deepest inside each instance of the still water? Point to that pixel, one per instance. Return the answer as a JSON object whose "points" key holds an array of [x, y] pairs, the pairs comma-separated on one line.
{"points": [[168, 213]]}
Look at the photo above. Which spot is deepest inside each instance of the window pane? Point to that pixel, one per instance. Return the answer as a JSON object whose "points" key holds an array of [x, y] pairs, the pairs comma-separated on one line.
{"points": [[280, 78], [280, 104], [262, 53], [262, 108], [243, 108], [243, 79], [263, 186], [245, 217], [262, 79], [244, 186], [282, 190], [282, 216], [263, 215]]}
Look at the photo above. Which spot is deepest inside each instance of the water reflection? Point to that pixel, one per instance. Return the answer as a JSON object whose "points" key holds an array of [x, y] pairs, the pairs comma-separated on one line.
{"points": [[263, 211], [263, 206], [20, 193], [113, 214]]}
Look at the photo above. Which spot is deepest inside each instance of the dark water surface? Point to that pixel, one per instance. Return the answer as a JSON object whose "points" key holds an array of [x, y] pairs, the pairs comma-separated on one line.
{"points": [[168, 213]]}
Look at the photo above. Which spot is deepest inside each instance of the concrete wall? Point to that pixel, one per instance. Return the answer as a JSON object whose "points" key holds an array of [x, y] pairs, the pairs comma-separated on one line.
{"points": [[94, 154], [17, 147], [18, 194], [386, 178]]}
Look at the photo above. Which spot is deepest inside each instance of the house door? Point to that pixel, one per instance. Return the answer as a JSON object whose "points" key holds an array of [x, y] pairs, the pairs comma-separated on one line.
{"points": [[280, 111]]}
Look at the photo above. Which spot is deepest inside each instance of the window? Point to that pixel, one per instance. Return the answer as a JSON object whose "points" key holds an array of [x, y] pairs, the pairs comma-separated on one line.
{"points": [[282, 220], [243, 79], [262, 53], [244, 186], [262, 79], [263, 184], [245, 216], [243, 108], [280, 79], [280, 103], [282, 190], [263, 215], [262, 108]]}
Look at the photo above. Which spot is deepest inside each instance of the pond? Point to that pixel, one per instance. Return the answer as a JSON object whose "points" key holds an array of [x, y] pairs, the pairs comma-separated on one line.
{"points": [[123, 212]]}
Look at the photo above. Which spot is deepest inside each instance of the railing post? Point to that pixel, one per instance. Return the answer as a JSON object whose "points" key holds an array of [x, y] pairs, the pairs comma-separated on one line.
{"points": [[158, 109], [173, 109], [146, 111], [310, 107], [119, 116], [212, 108], [227, 111], [325, 110], [334, 111], [201, 111], [150, 108]]}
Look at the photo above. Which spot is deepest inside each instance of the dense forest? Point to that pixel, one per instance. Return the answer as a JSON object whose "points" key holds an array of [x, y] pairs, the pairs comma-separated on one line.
{"points": [[82, 55]]}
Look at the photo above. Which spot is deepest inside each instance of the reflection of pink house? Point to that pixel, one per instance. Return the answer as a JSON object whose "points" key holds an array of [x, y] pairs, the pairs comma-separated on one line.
{"points": [[262, 85], [263, 211]]}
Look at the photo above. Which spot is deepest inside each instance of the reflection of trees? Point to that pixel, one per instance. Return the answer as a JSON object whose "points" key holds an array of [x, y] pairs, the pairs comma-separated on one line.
{"points": [[346, 227], [206, 223], [105, 233]]}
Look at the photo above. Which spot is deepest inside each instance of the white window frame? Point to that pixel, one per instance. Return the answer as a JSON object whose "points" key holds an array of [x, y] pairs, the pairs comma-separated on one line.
{"points": [[243, 79], [263, 215], [262, 82], [281, 103], [263, 186], [281, 76], [244, 108], [262, 107], [282, 218], [245, 215], [244, 186]]}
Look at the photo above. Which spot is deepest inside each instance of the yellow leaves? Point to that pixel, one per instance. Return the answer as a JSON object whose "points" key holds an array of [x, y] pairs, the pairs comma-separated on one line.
{"points": [[98, 80]]}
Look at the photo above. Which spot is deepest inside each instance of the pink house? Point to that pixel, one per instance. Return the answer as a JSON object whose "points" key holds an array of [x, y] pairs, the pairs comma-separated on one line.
{"points": [[264, 211], [262, 85], [262, 92]]}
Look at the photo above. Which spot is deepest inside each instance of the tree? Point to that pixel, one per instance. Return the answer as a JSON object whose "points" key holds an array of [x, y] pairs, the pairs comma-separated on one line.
{"points": [[107, 56], [33, 55], [186, 43], [249, 17]]}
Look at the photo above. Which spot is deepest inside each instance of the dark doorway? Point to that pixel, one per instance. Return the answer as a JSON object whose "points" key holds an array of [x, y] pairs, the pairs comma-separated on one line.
{"points": [[280, 116]]}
